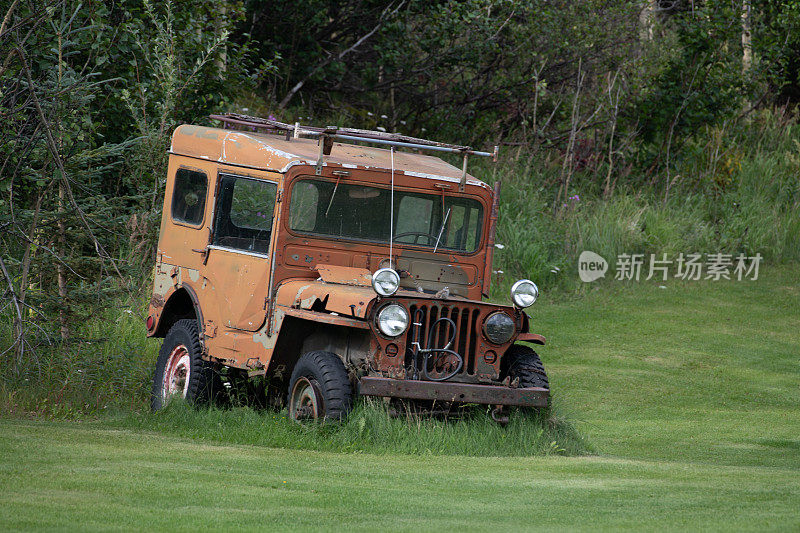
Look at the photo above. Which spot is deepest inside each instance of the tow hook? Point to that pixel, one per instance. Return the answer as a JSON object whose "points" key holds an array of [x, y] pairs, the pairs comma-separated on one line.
{"points": [[500, 415]]}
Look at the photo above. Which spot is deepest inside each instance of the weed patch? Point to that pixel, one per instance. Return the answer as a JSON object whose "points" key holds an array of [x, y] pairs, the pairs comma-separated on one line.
{"points": [[370, 428]]}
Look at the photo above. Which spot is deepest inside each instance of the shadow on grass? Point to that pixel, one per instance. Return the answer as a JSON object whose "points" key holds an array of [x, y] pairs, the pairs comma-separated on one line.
{"points": [[370, 428]]}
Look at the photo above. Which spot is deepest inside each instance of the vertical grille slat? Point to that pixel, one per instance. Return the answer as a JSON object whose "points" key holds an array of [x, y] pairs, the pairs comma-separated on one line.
{"points": [[473, 340], [465, 341], [463, 336]]}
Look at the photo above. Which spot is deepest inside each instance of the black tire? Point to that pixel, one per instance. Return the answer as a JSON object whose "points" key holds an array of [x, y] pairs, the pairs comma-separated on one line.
{"points": [[203, 381], [523, 363], [329, 377]]}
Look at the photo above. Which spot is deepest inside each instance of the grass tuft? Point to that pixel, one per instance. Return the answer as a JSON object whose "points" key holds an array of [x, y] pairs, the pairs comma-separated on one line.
{"points": [[370, 428]]}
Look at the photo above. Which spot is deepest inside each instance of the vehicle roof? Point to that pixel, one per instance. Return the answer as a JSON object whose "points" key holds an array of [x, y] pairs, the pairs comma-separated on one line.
{"points": [[274, 152]]}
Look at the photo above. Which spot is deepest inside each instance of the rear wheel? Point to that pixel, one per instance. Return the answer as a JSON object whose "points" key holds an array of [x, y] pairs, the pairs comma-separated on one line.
{"points": [[319, 388], [521, 362], [181, 370]]}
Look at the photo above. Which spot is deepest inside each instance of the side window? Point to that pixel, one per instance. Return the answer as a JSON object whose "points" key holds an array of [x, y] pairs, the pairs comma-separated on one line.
{"points": [[244, 212], [189, 196]]}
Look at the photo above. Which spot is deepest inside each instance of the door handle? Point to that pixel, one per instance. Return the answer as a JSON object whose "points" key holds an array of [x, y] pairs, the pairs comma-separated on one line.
{"points": [[204, 251]]}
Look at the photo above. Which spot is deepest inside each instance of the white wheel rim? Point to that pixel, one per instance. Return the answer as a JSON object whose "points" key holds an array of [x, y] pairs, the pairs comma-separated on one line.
{"points": [[306, 402], [177, 373]]}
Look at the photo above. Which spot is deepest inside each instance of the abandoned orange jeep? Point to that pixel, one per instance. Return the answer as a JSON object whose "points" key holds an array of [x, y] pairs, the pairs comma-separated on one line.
{"points": [[334, 269]]}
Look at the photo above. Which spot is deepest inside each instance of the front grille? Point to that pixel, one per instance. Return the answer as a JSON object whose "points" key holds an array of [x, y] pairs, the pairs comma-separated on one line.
{"points": [[466, 338]]}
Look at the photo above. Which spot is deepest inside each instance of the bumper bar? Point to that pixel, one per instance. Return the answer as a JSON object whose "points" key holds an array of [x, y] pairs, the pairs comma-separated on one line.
{"points": [[453, 392]]}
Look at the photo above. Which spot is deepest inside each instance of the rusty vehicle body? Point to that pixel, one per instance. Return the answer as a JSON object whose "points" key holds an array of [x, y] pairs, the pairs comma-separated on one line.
{"points": [[241, 266]]}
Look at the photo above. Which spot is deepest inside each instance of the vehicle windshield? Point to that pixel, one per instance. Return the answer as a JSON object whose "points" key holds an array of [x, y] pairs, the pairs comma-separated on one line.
{"points": [[358, 212]]}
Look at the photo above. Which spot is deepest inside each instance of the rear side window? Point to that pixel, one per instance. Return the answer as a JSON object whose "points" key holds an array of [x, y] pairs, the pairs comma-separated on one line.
{"points": [[244, 212], [189, 196]]}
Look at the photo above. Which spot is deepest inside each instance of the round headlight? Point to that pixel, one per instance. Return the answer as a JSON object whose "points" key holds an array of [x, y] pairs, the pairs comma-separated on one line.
{"points": [[524, 293], [392, 320], [499, 328], [385, 281]]}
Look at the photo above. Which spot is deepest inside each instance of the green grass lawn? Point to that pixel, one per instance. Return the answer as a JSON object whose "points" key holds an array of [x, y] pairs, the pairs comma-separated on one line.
{"points": [[689, 395]]}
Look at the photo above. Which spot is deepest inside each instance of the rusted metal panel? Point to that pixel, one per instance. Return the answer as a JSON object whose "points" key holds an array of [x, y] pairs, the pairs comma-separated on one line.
{"points": [[482, 358], [453, 392], [489, 255], [347, 300], [345, 275], [326, 318], [535, 338], [240, 283]]}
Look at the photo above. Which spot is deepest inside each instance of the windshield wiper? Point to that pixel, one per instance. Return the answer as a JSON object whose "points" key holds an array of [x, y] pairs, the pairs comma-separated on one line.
{"points": [[441, 230]]}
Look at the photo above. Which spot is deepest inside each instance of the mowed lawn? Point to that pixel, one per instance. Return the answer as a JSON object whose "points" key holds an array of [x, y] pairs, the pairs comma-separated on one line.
{"points": [[690, 396]]}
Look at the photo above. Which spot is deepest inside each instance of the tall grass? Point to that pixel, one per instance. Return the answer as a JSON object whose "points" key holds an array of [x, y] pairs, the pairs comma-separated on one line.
{"points": [[371, 427], [107, 365], [744, 200]]}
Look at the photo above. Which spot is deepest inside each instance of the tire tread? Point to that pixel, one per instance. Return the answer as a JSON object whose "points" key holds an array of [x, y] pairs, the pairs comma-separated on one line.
{"points": [[329, 371], [202, 379], [524, 363]]}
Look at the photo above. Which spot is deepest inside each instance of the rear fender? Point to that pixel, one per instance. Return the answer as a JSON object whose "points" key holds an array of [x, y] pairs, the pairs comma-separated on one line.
{"points": [[181, 302]]}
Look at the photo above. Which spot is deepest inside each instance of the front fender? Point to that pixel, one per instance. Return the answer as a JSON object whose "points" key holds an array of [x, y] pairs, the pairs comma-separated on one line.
{"points": [[346, 300]]}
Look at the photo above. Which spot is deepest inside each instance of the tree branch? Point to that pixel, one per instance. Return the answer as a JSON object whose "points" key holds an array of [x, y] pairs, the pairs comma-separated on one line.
{"points": [[299, 85]]}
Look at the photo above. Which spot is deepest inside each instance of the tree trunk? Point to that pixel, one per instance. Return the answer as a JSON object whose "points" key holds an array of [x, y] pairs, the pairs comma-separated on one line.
{"points": [[647, 17], [62, 231], [747, 46], [27, 256], [62, 278], [222, 26]]}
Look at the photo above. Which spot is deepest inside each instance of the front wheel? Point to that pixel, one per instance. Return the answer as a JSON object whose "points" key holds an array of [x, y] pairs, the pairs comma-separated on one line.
{"points": [[319, 388], [181, 370], [521, 362]]}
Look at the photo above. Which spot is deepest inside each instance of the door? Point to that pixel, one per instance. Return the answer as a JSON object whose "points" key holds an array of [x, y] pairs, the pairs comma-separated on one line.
{"points": [[240, 254]]}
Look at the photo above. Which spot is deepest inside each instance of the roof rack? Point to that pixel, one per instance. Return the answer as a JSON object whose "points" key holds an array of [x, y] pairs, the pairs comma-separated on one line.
{"points": [[328, 134]]}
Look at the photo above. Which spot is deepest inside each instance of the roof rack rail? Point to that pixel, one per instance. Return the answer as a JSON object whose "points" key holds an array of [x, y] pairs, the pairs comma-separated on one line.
{"points": [[329, 134]]}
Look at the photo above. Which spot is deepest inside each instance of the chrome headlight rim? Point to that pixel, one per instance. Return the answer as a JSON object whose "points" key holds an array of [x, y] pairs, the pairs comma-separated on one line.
{"points": [[381, 277], [496, 341], [381, 325], [517, 295]]}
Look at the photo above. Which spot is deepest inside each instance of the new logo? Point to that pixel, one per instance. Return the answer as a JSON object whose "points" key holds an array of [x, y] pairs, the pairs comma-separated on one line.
{"points": [[591, 266]]}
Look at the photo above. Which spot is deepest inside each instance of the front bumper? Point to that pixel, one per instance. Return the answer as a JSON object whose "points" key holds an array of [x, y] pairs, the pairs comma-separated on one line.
{"points": [[453, 392]]}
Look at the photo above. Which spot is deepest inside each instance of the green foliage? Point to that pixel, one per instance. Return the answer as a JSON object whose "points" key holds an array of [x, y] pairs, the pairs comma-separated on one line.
{"points": [[371, 428], [701, 81], [776, 35], [736, 192], [106, 365], [91, 93]]}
